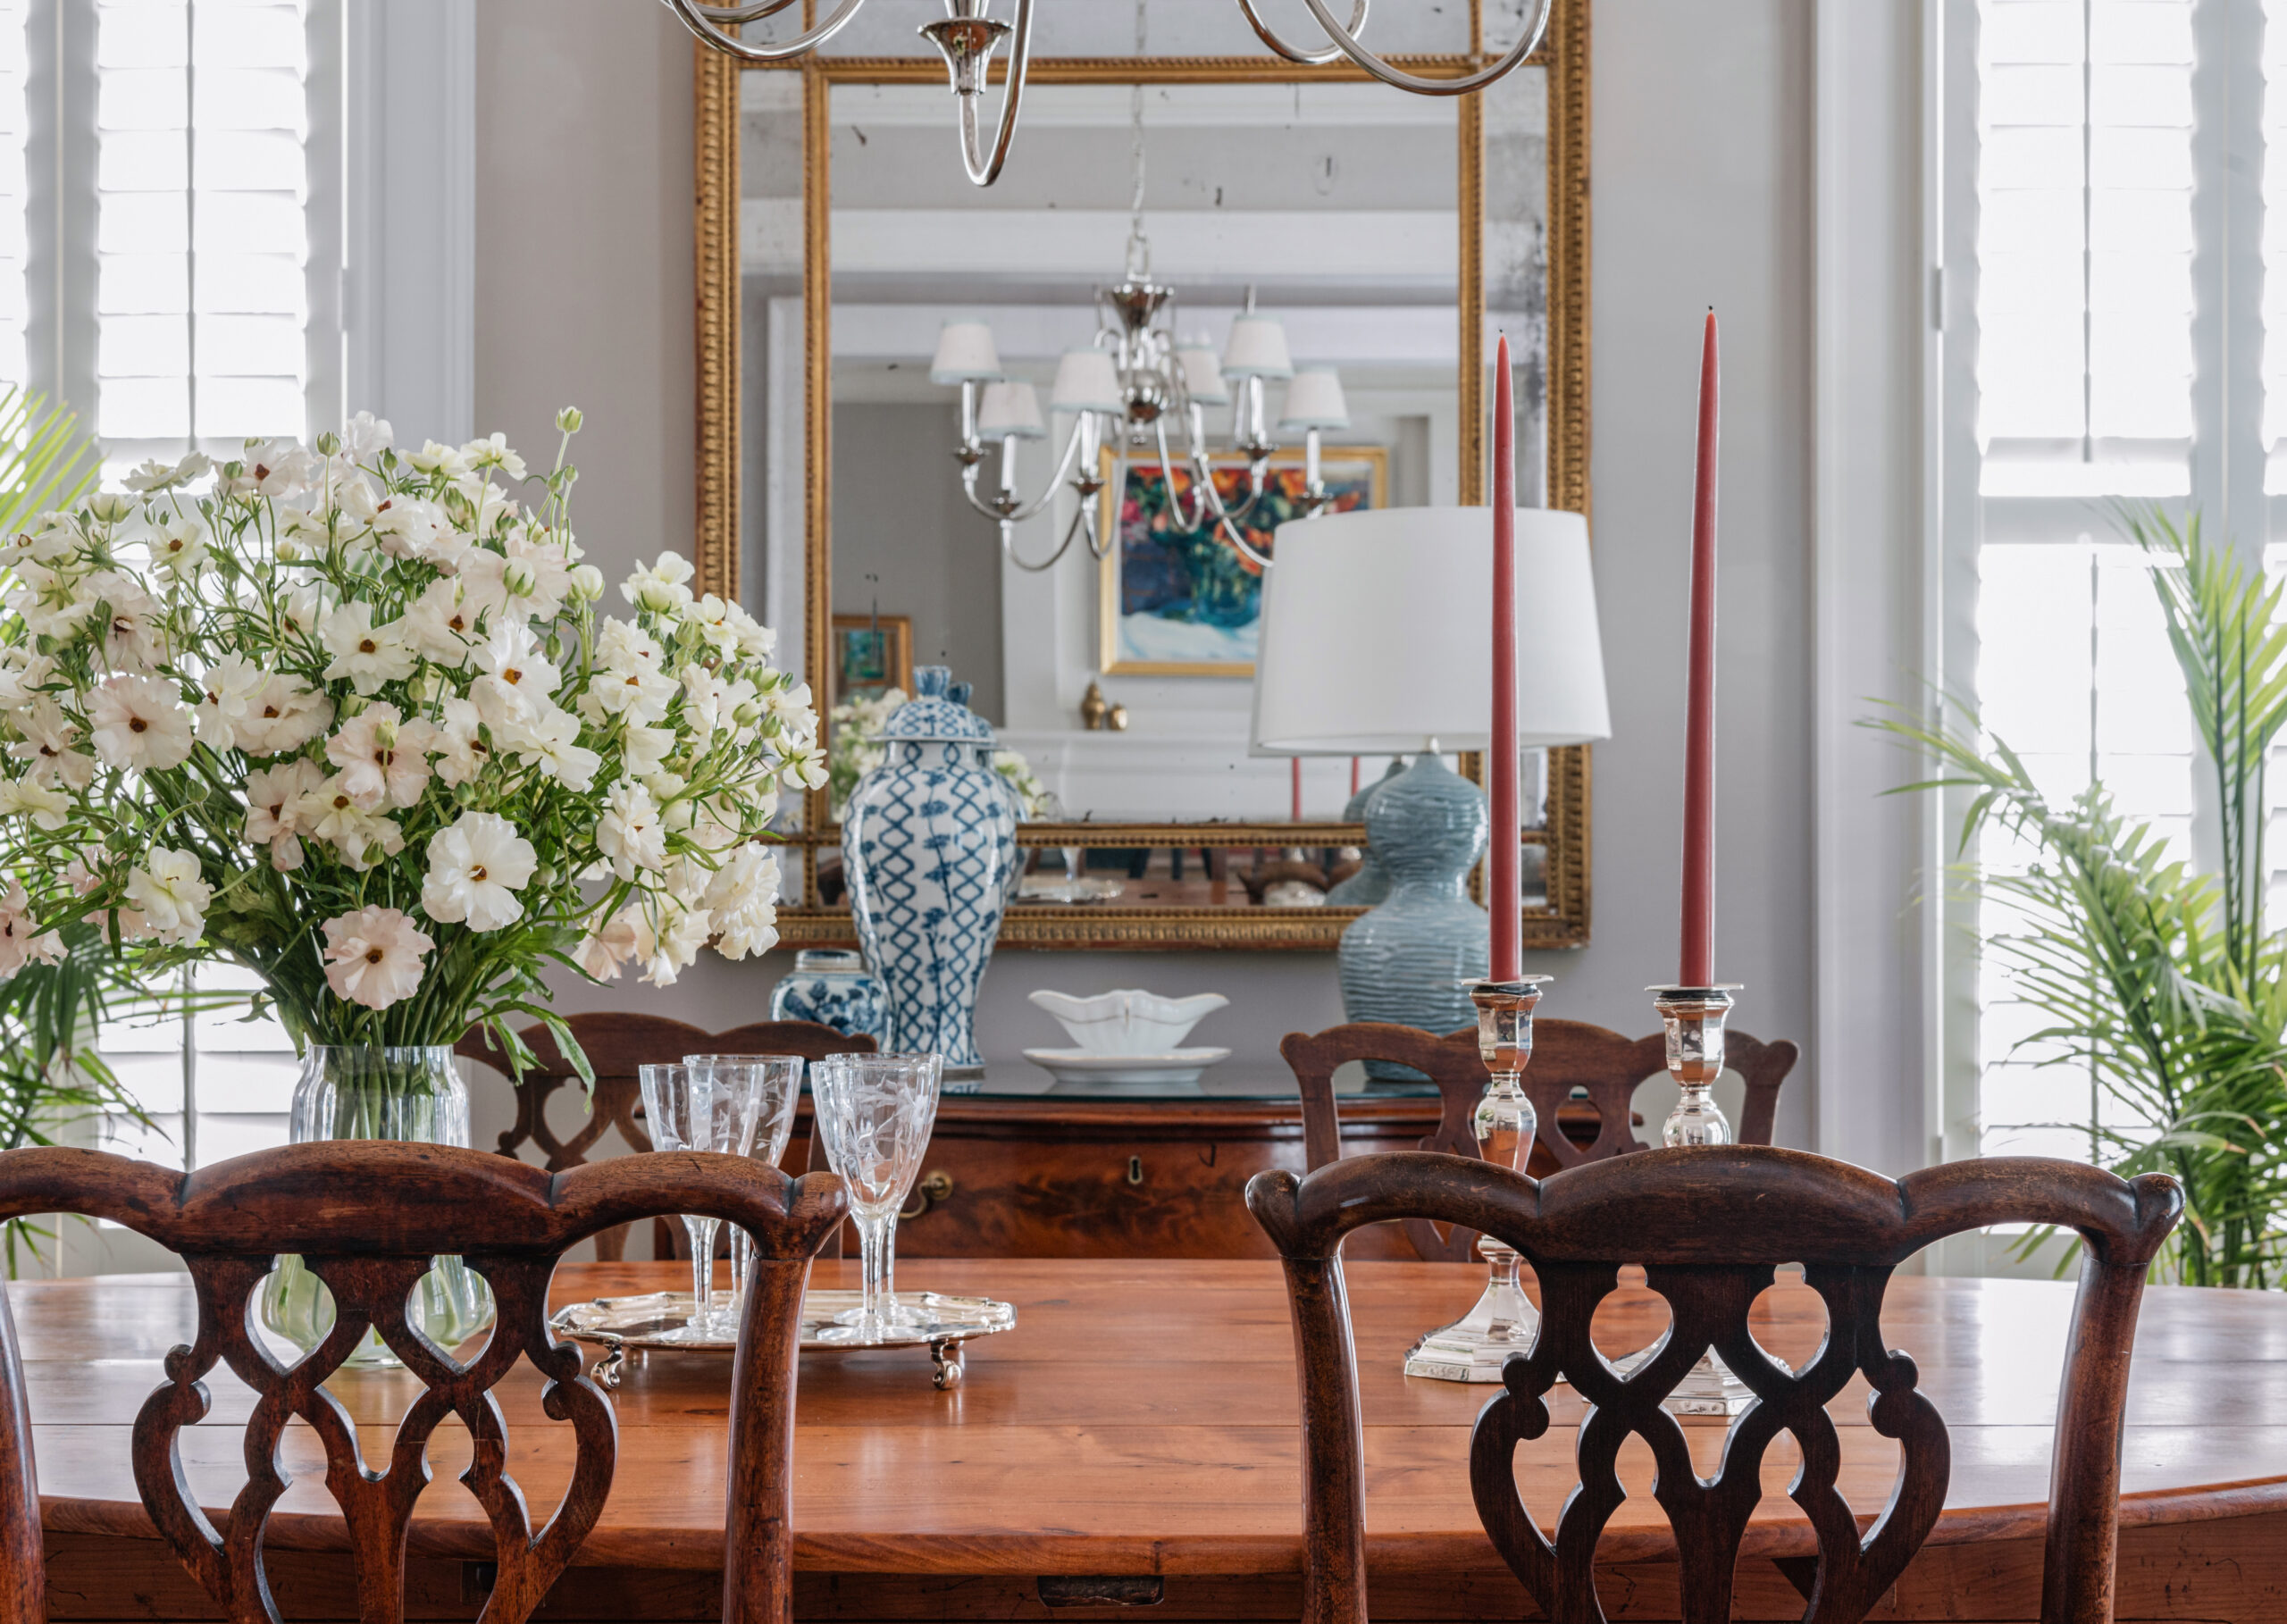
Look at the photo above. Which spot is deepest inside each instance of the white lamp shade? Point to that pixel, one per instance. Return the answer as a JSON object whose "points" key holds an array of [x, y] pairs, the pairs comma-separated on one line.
{"points": [[1203, 376], [1314, 401], [1086, 381], [1258, 348], [1010, 408], [1377, 634], [965, 355]]}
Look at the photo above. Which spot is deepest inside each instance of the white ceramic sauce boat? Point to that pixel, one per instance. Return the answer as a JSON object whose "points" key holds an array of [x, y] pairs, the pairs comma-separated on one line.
{"points": [[1128, 1021]]}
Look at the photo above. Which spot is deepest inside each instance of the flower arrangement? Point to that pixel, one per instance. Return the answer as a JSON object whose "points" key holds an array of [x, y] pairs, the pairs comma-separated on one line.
{"points": [[854, 748], [350, 717]]}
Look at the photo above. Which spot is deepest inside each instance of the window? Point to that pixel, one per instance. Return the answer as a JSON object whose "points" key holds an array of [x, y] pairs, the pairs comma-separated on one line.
{"points": [[212, 1084], [2094, 351], [193, 224]]}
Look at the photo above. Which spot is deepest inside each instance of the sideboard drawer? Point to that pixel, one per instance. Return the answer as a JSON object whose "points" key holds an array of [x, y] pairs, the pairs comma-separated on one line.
{"points": [[1044, 1178]]}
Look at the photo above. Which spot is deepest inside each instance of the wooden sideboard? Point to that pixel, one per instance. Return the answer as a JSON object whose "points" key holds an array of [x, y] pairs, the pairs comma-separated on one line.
{"points": [[1058, 1176]]}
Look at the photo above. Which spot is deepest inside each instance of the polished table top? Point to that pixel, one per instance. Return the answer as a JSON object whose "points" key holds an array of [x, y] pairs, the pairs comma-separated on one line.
{"points": [[1141, 1419]]}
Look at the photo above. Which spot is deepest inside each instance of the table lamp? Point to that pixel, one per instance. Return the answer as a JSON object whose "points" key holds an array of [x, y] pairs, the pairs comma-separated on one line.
{"points": [[1376, 639]]}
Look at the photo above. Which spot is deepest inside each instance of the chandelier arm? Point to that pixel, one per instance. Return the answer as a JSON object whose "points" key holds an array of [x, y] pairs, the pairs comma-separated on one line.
{"points": [[1198, 511], [985, 170], [1224, 513], [1211, 501], [731, 16], [1027, 510], [699, 23], [1315, 59], [1347, 42], [1009, 544]]}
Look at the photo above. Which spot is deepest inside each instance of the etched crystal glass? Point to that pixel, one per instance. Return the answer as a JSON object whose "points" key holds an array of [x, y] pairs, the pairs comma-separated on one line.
{"points": [[697, 1108], [774, 1083], [875, 1112]]}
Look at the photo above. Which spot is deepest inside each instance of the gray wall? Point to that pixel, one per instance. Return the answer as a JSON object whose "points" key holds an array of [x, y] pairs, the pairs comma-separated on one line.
{"points": [[899, 515], [1701, 141]]}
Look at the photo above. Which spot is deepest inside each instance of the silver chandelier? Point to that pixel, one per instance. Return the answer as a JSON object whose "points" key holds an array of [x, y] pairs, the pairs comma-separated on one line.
{"points": [[967, 36]]}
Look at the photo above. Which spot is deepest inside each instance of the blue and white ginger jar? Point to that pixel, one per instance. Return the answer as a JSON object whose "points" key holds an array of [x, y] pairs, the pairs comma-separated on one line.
{"points": [[929, 844], [832, 987]]}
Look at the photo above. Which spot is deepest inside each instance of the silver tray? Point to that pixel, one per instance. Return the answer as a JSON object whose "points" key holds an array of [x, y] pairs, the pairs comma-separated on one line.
{"points": [[647, 1324]]}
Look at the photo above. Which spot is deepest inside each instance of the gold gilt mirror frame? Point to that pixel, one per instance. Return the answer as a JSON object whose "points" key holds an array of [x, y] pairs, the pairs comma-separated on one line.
{"points": [[1564, 919]]}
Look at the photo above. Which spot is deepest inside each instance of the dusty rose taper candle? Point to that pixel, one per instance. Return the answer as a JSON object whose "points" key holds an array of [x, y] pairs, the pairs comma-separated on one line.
{"points": [[1503, 884], [1698, 967]]}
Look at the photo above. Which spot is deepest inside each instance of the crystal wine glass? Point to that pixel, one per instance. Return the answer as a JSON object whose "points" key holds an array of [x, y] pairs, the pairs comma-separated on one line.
{"points": [[874, 1112], [775, 1082], [692, 1107]]}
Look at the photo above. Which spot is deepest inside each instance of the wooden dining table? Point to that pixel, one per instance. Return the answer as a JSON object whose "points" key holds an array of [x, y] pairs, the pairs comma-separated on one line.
{"points": [[1133, 1443]]}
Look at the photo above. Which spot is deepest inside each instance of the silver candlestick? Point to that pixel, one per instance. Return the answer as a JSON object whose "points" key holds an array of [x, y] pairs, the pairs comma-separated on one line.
{"points": [[1473, 1348], [1694, 1018]]}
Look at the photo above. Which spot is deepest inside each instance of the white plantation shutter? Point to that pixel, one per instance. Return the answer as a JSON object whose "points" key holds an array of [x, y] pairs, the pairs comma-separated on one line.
{"points": [[14, 205], [206, 187], [2085, 374]]}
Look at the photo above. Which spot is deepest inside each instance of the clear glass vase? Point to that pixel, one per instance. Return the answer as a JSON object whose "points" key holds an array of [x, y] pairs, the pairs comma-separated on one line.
{"points": [[410, 1093]]}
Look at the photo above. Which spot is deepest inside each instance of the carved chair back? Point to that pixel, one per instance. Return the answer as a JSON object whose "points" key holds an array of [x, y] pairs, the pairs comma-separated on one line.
{"points": [[615, 1045], [1709, 1228], [1567, 1056], [366, 1218]]}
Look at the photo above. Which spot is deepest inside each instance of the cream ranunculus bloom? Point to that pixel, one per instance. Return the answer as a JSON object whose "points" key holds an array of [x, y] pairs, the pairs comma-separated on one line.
{"points": [[171, 897], [140, 721], [475, 870], [374, 957]]}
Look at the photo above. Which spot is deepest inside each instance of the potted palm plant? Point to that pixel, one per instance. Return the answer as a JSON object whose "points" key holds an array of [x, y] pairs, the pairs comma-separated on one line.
{"points": [[2164, 980]]}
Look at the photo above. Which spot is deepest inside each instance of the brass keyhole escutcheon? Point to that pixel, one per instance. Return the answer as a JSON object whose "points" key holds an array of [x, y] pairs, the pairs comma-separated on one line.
{"points": [[934, 1188], [1136, 1169]]}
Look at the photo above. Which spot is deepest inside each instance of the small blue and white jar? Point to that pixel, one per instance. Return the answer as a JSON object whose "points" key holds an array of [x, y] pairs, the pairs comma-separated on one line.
{"points": [[832, 987], [929, 844]]}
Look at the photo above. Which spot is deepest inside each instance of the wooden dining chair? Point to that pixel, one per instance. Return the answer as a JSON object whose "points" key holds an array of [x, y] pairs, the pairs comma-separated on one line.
{"points": [[615, 1044], [1709, 1226], [366, 1218], [1582, 1082]]}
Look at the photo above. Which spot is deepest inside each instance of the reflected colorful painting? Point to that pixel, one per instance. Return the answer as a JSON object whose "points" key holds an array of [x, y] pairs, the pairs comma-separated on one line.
{"points": [[1185, 602]]}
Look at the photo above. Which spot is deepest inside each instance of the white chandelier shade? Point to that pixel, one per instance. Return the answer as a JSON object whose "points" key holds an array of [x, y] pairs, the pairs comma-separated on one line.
{"points": [[1314, 401], [1087, 381], [966, 354], [1010, 409], [1258, 348]]}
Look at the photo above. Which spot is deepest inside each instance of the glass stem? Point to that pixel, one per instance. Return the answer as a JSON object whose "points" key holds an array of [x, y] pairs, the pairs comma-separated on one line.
{"points": [[741, 1274], [702, 1268], [874, 1232]]}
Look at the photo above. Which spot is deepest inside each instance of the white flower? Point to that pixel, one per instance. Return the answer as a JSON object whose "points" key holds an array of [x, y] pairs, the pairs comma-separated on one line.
{"points": [[415, 527], [366, 653], [18, 945], [384, 759], [227, 693], [50, 736], [179, 543], [660, 587], [366, 437], [475, 870], [743, 901], [636, 689], [630, 834], [434, 458], [441, 624], [791, 712], [609, 946], [493, 452], [140, 721], [512, 657], [46, 805], [644, 750], [275, 468], [547, 738], [161, 476], [668, 943], [169, 897], [22, 674], [374, 957], [460, 747], [285, 714], [802, 764], [133, 638], [331, 813], [276, 799], [586, 582]]}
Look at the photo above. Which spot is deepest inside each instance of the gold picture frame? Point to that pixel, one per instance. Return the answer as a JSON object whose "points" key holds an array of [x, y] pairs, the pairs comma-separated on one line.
{"points": [[1285, 468], [894, 664], [1563, 54]]}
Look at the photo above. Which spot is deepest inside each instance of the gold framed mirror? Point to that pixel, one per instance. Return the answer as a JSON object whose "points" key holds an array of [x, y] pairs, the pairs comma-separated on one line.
{"points": [[817, 312]]}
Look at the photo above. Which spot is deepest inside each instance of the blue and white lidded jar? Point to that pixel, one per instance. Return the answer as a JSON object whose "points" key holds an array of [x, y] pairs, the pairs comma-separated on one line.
{"points": [[832, 987], [929, 846]]}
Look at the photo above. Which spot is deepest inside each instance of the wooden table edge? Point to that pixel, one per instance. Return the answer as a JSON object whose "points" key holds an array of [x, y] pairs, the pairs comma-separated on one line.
{"points": [[1202, 1556]]}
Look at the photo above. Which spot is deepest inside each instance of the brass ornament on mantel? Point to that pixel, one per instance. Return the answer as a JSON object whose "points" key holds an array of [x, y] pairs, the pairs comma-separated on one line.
{"points": [[1564, 857]]}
